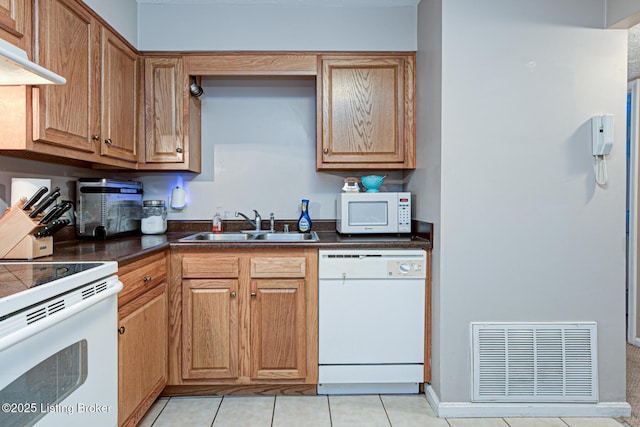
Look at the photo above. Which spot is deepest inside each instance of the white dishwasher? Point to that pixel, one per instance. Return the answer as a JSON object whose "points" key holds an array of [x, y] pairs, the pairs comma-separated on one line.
{"points": [[371, 320]]}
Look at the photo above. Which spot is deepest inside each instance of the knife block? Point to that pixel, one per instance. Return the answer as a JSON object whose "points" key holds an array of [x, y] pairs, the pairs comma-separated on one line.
{"points": [[30, 248], [16, 227]]}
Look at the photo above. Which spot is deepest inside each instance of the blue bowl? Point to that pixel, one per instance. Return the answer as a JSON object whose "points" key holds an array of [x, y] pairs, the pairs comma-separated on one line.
{"points": [[372, 182]]}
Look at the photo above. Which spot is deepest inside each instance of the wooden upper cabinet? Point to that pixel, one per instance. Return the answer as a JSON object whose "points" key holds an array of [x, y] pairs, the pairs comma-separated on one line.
{"points": [[68, 44], [120, 86], [366, 112], [172, 117], [15, 23], [164, 130]]}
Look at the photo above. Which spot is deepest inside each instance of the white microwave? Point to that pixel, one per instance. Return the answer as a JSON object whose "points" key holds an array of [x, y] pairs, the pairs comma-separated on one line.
{"points": [[368, 213]]}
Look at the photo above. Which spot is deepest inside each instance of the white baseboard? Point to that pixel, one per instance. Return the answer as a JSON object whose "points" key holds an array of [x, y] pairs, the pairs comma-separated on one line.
{"points": [[500, 410]]}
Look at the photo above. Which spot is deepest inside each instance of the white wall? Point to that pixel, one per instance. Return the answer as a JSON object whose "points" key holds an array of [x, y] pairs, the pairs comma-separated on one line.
{"points": [[622, 13], [524, 232], [425, 181], [188, 27], [122, 15]]}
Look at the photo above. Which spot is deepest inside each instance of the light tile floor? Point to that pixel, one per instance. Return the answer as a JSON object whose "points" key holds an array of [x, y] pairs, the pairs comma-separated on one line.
{"points": [[329, 411]]}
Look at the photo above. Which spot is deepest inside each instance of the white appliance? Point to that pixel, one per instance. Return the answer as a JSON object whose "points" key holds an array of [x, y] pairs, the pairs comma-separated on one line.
{"points": [[368, 213], [58, 344], [371, 321]]}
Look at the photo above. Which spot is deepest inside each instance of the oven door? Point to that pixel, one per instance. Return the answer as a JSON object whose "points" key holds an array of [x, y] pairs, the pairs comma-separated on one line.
{"points": [[62, 370]]}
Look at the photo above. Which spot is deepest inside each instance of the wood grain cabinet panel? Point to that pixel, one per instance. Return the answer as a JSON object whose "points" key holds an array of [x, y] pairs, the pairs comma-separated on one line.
{"points": [[143, 336], [278, 267], [210, 267], [278, 325], [142, 354], [120, 87], [68, 44], [172, 117], [210, 329], [366, 112]]}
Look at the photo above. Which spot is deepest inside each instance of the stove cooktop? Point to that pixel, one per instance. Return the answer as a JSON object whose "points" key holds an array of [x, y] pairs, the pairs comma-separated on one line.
{"points": [[23, 284]]}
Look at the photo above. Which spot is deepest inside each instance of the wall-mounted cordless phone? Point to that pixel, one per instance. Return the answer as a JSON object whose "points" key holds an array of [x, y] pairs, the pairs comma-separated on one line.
{"points": [[602, 134], [602, 142]]}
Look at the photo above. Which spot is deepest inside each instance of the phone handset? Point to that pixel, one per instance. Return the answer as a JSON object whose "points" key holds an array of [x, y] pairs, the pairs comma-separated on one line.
{"points": [[602, 142]]}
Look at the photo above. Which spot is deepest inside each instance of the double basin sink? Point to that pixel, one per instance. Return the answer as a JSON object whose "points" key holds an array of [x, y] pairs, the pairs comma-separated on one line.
{"points": [[251, 237]]}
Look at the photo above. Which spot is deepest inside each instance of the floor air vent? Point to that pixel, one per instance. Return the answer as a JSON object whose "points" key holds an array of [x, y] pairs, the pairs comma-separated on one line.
{"points": [[534, 362]]}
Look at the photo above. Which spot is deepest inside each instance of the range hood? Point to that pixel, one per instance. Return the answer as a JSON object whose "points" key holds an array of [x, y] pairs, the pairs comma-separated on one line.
{"points": [[16, 69]]}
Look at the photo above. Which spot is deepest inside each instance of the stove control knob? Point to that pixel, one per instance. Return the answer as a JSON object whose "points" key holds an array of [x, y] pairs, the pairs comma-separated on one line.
{"points": [[404, 267]]}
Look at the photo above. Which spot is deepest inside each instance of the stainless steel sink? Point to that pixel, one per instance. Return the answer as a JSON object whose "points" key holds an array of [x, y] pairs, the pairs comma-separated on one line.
{"points": [[216, 237], [287, 237], [266, 236]]}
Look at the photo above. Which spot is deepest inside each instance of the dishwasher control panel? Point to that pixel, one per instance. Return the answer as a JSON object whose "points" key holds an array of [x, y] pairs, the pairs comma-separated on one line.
{"points": [[405, 268], [347, 264]]}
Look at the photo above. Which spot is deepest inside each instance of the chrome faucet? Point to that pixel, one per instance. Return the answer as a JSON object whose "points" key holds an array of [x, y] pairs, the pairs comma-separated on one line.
{"points": [[272, 222], [257, 222]]}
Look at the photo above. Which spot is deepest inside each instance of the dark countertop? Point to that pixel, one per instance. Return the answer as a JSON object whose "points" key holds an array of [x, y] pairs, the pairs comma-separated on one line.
{"points": [[129, 249]]}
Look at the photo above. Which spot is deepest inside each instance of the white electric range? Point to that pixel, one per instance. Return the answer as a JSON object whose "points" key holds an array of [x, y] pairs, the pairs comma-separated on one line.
{"points": [[58, 343]]}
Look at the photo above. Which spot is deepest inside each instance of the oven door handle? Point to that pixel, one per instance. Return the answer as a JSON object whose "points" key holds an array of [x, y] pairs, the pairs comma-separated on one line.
{"points": [[41, 325]]}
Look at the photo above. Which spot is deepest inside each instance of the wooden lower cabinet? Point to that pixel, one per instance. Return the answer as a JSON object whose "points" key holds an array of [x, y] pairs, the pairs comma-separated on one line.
{"points": [[243, 318], [278, 325], [210, 328], [142, 338]]}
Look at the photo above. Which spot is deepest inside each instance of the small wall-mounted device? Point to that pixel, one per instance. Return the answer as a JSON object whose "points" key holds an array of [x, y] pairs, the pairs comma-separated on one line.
{"points": [[602, 134], [178, 198], [602, 142]]}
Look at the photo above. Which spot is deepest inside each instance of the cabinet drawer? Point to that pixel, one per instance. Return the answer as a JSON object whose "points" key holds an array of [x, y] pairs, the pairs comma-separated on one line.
{"points": [[140, 276], [278, 267], [214, 267]]}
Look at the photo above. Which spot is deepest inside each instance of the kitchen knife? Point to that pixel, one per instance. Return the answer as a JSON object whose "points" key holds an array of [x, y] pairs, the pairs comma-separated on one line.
{"points": [[51, 228], [44, 204], [36, 196], [66, 205], [55, 212]]}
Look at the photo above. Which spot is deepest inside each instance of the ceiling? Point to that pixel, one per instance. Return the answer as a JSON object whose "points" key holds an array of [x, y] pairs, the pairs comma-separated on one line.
{"points": [[345, 3]]}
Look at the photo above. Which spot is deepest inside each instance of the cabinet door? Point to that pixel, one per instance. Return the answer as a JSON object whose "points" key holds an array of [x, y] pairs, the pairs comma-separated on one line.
{"points": [[210, 328], [163, 93], [367, 113], [120, 83], [278, 331], [142, 352], [68, 44], [15, 23]]}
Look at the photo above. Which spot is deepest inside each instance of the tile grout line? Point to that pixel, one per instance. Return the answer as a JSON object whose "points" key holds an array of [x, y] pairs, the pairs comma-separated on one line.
{"points": [[159, 413], [384, 408], [273, 410], [217, 411], [329, 406]]}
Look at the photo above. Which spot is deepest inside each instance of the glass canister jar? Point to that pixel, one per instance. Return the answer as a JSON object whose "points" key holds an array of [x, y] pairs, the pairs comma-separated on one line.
{"points": [[154, 217]]}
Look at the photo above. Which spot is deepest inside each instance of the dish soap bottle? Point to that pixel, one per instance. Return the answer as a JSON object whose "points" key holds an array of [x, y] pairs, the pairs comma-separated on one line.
{"points": [[304, 223], [216, 223]]}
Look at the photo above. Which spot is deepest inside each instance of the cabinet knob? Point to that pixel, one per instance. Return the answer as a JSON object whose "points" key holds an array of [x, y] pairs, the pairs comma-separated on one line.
{"points": [[147, 279], [179, 150], [121, 330], [253, 294], [325, 151], [107, 141], [95, 137], [233, 294]]}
